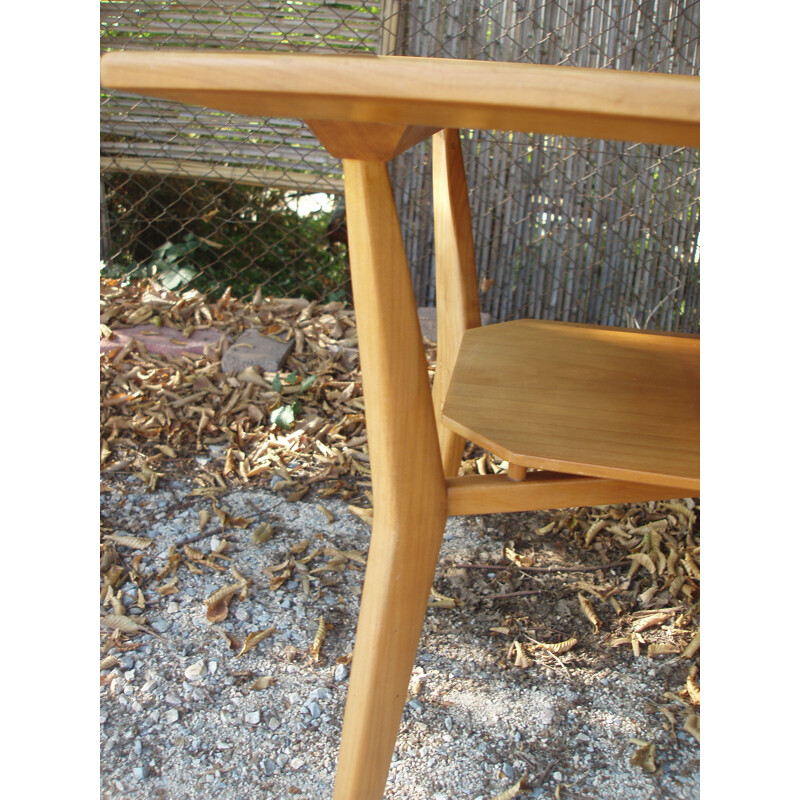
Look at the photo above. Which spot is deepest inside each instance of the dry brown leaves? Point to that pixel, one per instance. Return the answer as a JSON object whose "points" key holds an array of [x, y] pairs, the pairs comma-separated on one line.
{"points": [[653, 608], [159, 412]]}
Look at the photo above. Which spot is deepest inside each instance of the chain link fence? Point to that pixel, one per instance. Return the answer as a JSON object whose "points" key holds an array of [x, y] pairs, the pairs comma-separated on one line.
{"points": [[574, 229]]}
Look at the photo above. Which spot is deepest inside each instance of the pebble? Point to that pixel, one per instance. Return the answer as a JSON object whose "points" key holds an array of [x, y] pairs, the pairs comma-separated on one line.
{"points": [[296, 763], [268, 766], [253, 717], [314, 710], [171, 716], [195, 671], [140, 773], [340, 673], [274, 723], [160, 625], [171, 700], [507, 770]]}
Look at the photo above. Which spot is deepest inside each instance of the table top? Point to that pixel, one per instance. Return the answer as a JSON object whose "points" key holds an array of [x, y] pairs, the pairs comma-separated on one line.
{"points": [[436, 92]]}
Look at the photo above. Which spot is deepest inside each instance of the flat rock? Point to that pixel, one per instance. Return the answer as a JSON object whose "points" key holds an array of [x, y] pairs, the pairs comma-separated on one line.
{"points": [[251, 349], [195, 671], [427, 321], [163, 340]]}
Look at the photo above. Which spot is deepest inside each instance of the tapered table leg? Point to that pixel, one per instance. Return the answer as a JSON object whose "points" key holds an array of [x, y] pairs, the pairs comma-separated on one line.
{"points": [[407, 483]]}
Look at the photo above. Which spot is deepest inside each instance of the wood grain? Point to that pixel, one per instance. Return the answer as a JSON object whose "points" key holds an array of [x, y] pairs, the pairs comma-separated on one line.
{"points": [[495, 494], [367, 141], [442, 93], [457, 307], [410, 503], [581, 399]]}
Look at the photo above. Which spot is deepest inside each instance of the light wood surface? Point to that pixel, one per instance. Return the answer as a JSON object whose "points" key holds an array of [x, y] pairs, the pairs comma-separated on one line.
{"points": [[517, 472], [495, 494], [434, 92], [367, 141], [410, 503], [603, 402], [456, 279]]}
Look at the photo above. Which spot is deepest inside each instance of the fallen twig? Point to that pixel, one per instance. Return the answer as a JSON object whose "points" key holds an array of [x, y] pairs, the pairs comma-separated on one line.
{"points": [[198, 536], [542, 569], [514, 594], [543, 777]]}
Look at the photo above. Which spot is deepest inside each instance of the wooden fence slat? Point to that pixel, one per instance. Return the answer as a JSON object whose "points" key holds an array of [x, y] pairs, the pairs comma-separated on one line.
{"points": [[181, 167]]}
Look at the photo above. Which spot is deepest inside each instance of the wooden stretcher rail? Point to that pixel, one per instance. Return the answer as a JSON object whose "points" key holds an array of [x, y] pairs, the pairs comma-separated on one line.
{"points": [[492, 494], [434, 92]]}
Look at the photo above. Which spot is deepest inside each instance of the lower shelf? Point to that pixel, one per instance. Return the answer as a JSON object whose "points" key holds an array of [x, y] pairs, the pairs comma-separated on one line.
{"points": [[581, 399]]}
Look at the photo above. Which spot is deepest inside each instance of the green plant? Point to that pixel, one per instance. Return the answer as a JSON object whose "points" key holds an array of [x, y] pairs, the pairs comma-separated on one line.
{"points": [[285, 414]]}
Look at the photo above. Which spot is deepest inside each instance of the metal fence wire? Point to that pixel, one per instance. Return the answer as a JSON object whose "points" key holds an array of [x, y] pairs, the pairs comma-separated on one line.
{"points": [[565, 228]]}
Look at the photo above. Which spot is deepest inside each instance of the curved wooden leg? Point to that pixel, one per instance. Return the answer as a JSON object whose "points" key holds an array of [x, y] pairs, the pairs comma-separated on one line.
{"points": [[410, 502]]}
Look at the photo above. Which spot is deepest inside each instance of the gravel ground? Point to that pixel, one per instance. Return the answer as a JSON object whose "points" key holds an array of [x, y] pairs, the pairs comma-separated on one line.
{"points": [[181, 718]]}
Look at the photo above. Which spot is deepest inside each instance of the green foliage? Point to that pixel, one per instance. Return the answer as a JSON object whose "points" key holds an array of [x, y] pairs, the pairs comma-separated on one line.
{"points": [[285, 415], [209, 236]]}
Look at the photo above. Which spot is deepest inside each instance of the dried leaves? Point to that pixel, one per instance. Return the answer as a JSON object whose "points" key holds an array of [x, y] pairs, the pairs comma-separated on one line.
{"points": [[156, 406], [253, 639], [645, 597], [645, 755], [588, 611], [319, 638], [513, 791], [134, 542], [119, 622]]}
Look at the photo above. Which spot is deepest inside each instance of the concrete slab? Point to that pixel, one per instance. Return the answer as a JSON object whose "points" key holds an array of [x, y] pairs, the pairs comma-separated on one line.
{"points": [[163, 340], [251, 349]]}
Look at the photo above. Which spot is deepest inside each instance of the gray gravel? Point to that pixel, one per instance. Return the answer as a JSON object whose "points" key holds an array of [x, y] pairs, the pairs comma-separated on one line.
{"points": [[179, 719]]}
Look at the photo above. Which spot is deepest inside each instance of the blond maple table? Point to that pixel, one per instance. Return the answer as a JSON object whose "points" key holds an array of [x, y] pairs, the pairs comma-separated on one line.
{"points": [[584, 415]]}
